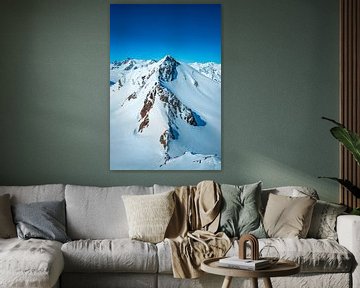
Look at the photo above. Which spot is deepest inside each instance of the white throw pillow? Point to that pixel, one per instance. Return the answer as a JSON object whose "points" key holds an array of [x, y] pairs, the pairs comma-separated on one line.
{"points": [[149, 215]]}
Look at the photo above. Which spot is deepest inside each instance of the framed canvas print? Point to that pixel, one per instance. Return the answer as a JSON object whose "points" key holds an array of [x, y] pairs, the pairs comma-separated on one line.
{"points": [[165, 87]]}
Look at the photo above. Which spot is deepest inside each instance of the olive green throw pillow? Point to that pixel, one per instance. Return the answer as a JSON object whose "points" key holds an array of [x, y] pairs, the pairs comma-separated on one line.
{"points": [[288, 217], [7, 226], [240, 210]]}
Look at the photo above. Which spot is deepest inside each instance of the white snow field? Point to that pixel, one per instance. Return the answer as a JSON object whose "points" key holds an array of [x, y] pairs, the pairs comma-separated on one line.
{"points": [[165, 115]]}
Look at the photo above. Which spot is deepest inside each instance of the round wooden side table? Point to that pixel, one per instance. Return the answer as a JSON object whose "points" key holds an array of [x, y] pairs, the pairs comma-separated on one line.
{"points": [[281, 268]]}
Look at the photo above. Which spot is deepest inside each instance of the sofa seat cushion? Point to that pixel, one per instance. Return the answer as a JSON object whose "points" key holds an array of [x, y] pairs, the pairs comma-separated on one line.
{"points": [[115, 255], [30, 263], [313, 255]]}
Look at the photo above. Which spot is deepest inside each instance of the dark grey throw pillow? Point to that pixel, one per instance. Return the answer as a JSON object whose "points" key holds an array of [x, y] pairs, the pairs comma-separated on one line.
{"points": [[7, 227], [240, 213], [44, 220]]}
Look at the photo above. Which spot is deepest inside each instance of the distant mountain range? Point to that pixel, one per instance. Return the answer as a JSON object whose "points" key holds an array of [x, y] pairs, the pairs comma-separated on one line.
{"points": [[165, 114]]}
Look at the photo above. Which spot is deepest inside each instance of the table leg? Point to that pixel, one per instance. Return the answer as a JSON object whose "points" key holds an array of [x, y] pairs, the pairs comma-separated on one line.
{"points": [[227, 282], [254, 282], [267, 283]]}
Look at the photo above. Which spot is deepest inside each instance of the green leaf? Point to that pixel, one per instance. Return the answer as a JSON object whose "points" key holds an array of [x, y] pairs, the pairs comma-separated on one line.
{"points": [[333, 121], [355, 211], [347, 184], [348, 138]]}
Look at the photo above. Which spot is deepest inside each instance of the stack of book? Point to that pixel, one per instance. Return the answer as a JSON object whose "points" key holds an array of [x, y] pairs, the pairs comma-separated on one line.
{"points": [[248, 264]]}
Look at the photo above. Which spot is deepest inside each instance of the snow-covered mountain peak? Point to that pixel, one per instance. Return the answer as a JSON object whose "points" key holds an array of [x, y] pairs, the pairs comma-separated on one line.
{"points": [[167, 58], [167, 68], [166, 111]]}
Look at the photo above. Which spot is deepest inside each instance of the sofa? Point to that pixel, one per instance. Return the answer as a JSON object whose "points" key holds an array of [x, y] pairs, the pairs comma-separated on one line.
{"points": [[100, 253]]}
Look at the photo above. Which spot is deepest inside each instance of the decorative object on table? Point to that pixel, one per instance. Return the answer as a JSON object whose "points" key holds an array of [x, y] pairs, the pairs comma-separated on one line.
{"points": [[254, 246], [165, 87], [270, 253], [351, 141], [241, 261], [260, 259]]}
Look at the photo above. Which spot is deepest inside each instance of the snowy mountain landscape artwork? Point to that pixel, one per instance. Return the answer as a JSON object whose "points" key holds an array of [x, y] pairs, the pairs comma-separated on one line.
{"points": [[165, 87]]}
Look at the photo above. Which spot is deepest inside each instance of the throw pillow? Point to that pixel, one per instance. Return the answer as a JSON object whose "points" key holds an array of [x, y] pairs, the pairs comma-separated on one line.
{"points": [[44, 220], [323, 222], [149, 215], [288, 217], [7, 227], [240, 210]]}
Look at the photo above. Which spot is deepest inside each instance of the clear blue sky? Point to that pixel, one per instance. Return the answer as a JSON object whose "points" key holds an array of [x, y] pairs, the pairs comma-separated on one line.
{"points": [[188, 32]]}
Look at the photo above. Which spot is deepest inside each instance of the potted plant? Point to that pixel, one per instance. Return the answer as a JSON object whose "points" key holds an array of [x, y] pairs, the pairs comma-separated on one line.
{"points": [[351, 141]]}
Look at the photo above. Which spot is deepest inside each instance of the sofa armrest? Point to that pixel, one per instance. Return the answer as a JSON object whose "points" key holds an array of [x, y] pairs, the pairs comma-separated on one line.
{"points": [[348, 230]]}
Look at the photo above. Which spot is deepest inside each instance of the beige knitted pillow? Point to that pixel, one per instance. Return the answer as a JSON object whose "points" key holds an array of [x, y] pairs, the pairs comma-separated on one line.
{"points": [[288, 217], [149, 215]]}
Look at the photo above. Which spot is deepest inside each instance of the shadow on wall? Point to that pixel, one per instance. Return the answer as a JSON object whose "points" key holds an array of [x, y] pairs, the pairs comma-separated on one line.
{"points": [[274, 173]]}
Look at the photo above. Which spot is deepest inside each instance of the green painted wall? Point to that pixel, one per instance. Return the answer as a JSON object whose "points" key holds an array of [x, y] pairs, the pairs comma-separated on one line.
{"points": [[280, 75]]}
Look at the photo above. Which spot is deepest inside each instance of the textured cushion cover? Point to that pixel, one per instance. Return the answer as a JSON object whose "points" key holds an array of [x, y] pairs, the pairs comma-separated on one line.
{"points": [[45, 220], [323, 222], [32, 263], [98, 212], [7, 226], [287, 216], [117, 255], [149, 215], [240, 210]]}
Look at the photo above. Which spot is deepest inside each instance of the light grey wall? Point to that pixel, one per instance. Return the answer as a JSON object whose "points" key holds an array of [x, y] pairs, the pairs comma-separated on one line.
{"points": [[280, 75]]}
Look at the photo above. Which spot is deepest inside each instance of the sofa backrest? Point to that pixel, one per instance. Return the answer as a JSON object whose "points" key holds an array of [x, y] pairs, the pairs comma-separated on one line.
{"points": [[36, 193], [163, 188], [98, 212]]}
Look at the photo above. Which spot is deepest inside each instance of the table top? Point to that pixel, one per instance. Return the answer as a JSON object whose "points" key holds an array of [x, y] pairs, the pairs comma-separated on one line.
{"points": [[281, 268]]}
